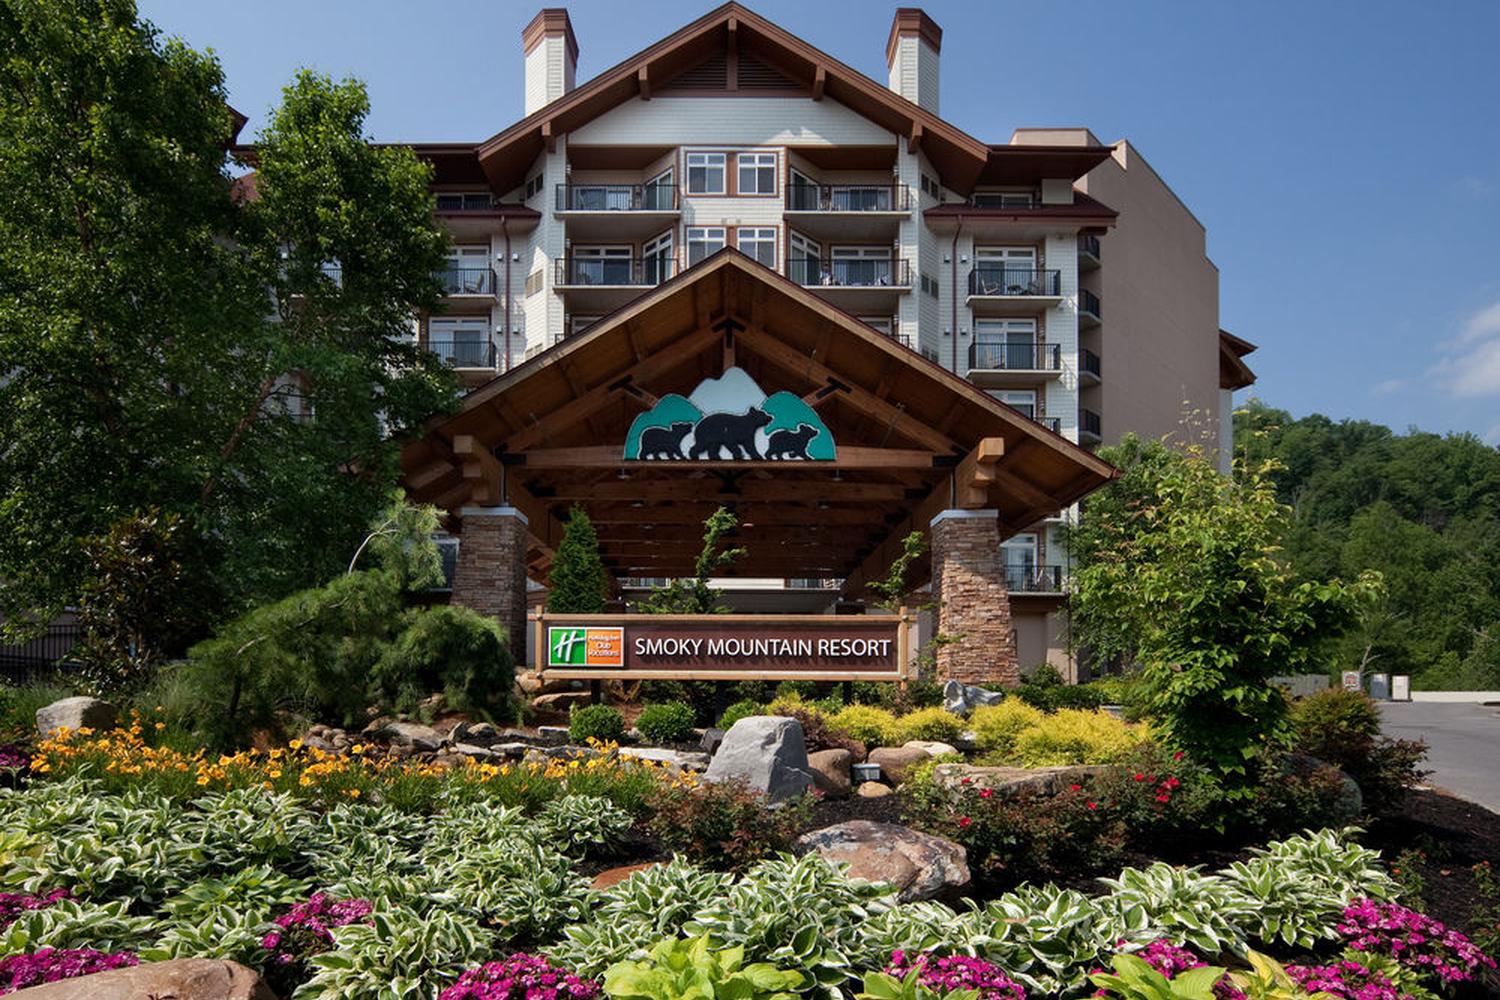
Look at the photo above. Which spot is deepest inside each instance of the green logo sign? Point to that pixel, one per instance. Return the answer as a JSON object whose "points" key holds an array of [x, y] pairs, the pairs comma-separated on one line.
{"points": [[730, 419], [585, 646]]}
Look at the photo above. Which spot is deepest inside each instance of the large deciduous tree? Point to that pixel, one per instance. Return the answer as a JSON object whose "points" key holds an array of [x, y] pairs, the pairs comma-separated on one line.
{"points": [[230, 358]]}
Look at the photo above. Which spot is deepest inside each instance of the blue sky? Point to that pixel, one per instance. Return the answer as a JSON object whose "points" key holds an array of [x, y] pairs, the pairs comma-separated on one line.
{"points": [[1344, 156]]}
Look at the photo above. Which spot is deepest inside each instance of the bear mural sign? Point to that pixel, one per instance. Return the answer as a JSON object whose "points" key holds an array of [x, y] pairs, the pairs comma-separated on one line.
{"points": [[730, 419]]}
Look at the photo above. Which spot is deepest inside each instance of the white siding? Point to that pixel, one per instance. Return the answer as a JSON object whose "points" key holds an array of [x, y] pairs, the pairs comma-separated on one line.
{"points": [[732, 121], [549, 72]]}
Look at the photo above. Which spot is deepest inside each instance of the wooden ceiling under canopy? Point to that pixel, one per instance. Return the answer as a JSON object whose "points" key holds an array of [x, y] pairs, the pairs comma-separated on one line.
{"points": [[912, 438]]}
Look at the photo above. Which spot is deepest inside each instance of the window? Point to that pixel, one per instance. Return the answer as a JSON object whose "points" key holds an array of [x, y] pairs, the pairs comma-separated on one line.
{"points": [[881, 323], [1006, 271], [1021, 399], [703, 242], [660, 194], [757, 173], [1005, 343], [759, 243], [533, 187], [802, 193], [804, 266], [858, 266], [460, 342], [600, 266], [931, 187], [1021, 563], [705, 173], [577, 324], [467, 271], [533, 282], [930, 285], [464, 201], [656, 259], [1003, 199]]}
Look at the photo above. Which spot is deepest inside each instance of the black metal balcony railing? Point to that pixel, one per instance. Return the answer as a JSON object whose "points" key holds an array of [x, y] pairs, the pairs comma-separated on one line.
{"points": [[1027, 579], [463, 350], [658, 197], [467, 281], [1005, 199], [1089, 244], [853, 272], [847, 198], [1053, 424], [1088, 303], [448, 204], [615, 271], [997, 279], [1088, 363], [1016, 357], [1088, 423]]}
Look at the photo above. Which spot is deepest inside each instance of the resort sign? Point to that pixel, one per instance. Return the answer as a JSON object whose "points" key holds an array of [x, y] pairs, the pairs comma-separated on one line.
{"points": [[723, 647], [730, 419]]}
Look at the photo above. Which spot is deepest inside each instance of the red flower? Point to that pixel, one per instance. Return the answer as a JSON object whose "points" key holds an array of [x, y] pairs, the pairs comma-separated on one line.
{"points": [[1075, 788], [1138, 776], [964, 821], [1164, 797], [966, 781], [1177, 755], [1173, 783], [1093, 805], [985, 793]]}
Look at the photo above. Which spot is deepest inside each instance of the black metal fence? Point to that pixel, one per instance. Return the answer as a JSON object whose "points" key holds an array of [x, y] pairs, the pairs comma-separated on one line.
{"points": [[40, 655]]}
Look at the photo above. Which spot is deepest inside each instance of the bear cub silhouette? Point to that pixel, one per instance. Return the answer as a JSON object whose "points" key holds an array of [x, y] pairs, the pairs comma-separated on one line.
{"points": [[664, 442], [731, 432], [791, 444]]}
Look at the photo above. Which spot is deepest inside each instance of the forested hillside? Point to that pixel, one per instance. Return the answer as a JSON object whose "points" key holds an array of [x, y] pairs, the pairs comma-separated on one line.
{"points": [[1422, 509]]}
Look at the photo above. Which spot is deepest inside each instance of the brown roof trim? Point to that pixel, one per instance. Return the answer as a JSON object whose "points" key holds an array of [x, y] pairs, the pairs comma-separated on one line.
{"points": [[1238, 345], [550, 21], [1083, 210], [965, 155], [1010, 164], [909, 22], [501, 210], [1233, 372]]}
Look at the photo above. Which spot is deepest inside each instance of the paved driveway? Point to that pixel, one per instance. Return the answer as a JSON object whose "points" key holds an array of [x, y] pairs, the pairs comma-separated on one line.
{"points": [[1463, 743]]}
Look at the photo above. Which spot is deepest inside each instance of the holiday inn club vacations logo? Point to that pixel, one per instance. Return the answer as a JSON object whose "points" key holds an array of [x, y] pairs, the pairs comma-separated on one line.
{"points": [[583, 646], [730, 418]]}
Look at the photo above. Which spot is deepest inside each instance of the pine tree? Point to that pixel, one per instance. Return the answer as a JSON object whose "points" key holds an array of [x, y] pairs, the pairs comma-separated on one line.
{"points": [[579, 581]]}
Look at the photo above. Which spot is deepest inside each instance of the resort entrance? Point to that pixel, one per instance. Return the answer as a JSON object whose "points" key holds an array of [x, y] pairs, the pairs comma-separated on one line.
{"points": [[731, 386]]}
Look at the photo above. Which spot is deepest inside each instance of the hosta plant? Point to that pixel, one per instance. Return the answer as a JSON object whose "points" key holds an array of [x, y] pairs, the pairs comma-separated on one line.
{"points": [[699, 969], [398, 955], [583, 825], [1047, 938], [1184, 903], [13, 904], [1133, 978], [884, 986], [73, 924]]}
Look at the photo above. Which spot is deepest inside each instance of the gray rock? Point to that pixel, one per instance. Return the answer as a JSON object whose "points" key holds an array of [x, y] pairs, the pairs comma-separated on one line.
{"points": [[1350, 804], [933, 748], [479, 734], [919, 865], [873, 790], [413, 735], [561, 701], [75, 714], [768, 753], [709, 744], [830, 771], [961, 699], [895, 762], [683, 760], [553, 735], [1008, 782], [179, 979], [511, 751], [478, 752]]}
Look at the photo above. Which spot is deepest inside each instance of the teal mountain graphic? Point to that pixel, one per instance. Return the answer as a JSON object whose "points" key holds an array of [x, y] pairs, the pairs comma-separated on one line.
{"points": [[737, 420]]}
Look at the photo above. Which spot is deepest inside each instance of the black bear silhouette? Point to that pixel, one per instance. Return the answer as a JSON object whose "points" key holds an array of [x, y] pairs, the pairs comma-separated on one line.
{"points": [[664, 442], [791, 444], [731, 432]]}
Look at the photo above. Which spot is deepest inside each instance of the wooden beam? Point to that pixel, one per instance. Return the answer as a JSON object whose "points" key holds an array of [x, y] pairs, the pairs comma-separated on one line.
{"points": [[549, 137], [848, 457], [820, 80], [714, 489], [481, 471], [789, 359], [694, 513], [643, 81], [914, 137]]}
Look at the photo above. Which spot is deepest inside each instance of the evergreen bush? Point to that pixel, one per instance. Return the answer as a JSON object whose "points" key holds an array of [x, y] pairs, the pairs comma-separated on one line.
{"points": [[578, 583], [596, 722], [667, 722]]}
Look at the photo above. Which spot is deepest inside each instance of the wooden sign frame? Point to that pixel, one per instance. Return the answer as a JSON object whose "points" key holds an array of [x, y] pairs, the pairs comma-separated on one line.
{"points": [[542, 620]]}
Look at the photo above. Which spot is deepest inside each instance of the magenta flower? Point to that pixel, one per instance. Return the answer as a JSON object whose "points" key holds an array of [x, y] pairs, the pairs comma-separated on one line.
{"points": [[13, 904], [1413, 939], [13, 758], [307, 928], [520, 977], [955, 972], [49, 965], [1348, 980], [1171, 960]]}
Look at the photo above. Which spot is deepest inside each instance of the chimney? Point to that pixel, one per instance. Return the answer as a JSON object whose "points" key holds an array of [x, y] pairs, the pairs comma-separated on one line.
{"points": [[551, 57], [912, 55]]}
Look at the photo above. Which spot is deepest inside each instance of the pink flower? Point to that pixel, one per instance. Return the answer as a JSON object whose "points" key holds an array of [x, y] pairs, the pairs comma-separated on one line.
{"points": [[956, 972], [520, 977]]}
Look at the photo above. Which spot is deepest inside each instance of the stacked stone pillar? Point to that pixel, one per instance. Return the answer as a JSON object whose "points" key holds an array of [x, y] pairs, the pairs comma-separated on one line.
{"points": [[491, 574], [973, 603]]}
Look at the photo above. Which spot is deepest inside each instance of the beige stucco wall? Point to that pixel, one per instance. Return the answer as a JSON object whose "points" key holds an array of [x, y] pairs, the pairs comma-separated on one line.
{"points": [[1040, 636]]}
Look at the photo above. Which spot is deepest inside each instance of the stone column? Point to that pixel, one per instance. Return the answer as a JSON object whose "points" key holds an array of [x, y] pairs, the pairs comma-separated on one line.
{"points": [[973, 604], [491, 573]]}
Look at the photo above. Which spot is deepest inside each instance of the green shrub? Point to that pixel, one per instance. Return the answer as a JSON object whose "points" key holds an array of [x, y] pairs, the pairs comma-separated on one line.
{"points": [[595, 722], [668, 722], [929, 724], [997, 726], [578, 583], [18, 705], [450, 649], [1335, 725], [1073, 736], [724, 824], [740, 710], [699, 969], [872, 726], [796, 691]]}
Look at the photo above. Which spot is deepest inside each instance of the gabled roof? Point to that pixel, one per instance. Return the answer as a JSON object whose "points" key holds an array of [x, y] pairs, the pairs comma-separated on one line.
{"points": [[913, 438], [959, 157], [1233, 372]]}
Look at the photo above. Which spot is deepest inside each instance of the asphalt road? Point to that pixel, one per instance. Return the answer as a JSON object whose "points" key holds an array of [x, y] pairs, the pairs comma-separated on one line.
{"points": [[1463, 742]]}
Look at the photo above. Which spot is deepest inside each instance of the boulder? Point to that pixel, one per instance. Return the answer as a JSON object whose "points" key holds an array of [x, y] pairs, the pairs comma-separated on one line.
{"points": [[75, 714], [709, 744], [412, 734], [552, 735], [768, 753], [480, 753], [560, 701], [895, 762], [180, 979], [614, 876], [1351, 801], [919, 865], [479, 734], [961, 699], [1008, 782], [932, 747], [873, 790], [830, 772], [680, 759]]}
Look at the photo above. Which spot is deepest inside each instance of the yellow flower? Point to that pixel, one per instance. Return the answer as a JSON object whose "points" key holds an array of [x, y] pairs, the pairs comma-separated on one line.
{"points": [[354, 793], [295, 744], [357, 748], [160, 726], [276, 774], [304, 781], [202, 779]]}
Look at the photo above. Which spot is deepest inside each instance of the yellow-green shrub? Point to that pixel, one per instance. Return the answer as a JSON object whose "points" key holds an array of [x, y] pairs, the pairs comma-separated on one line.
{"points": [[874, 727], [928, 724], [787, 704], [997, 726], [1076, 736]]}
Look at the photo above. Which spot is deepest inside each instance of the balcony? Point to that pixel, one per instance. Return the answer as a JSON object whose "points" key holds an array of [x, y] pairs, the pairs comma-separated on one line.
{"points": [[996, 366], [1053, 424], [998, 290], [1088, 252], [599, 285], [467, 289], [617, 211], [1023, 579], [464, 350], [1089, 314], [848, 211], [856, 284], [1090, 428], [1090, 371]]}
